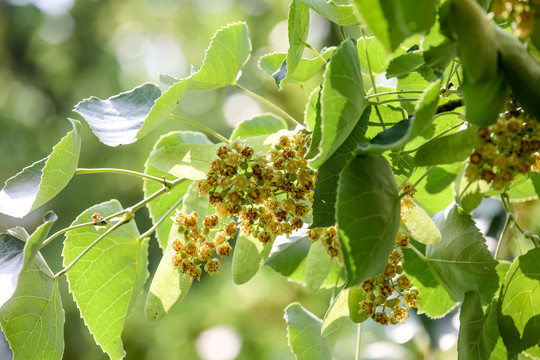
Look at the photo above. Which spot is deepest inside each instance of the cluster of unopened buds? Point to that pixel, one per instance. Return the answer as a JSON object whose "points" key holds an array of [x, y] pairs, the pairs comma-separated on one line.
{"points": [[390, 289], [268, 194], [508, 147], [518, 13]]}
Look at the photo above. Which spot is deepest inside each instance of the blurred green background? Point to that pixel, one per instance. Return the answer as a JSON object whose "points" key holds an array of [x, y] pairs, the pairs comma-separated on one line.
{"points": [[54, 53]]}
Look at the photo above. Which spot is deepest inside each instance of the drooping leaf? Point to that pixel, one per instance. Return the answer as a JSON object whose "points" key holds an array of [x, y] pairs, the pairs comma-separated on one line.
{"points": [[420, 226], [288, 256], [227, 53], [249, 256], [158, 207], [368, 216], [190, 161], [33, 244], [447, 149], [342, 100], [318, 266], [518, 310], [325, 196], [305, 70], [479, 332], [109, 277], [337, 314], [404, 64], [406, 130], [33, 318], [40, 182], [337, 11], [521, 70], [298, 26], [434, 300], [378, 56], [462, 262], [169, 285], [119, 119], [264, 124], [484, 101], [304, 334], [475, 39]]}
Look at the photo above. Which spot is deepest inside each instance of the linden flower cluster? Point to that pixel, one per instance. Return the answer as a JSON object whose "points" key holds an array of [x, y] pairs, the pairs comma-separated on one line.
{"points": [[518, 13], [508, 147], [390, 289], [329, 239], [195, 248]]}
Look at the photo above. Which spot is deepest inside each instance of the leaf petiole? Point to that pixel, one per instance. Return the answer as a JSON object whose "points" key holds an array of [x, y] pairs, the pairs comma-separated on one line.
{"points": [[393, 93], [202, 127], [122, 171], [390, 100], [316, 52]]}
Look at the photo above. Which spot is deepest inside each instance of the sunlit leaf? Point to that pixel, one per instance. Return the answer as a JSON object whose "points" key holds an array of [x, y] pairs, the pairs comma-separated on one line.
{"points": [[337, 11], [249, 256], [118, 119], [190, 161], [519, 313], [32, 319], [368, 216], [227, 53], [447, 149], [258, 125], [34, 242], [109, 277], [378, 56], [356, 296], [158, 207], [462, 261], [479, 332], [288, 256], [404, 64], [318, 266], [304, 333], [420, 226], [484, 101], [169, 285], [337, 314], [342, 100], [40, 182], [434, 300]]}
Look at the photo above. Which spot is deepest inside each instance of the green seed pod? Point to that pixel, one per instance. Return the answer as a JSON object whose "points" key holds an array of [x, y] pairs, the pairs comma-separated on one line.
{"points": [[379, 300], [399, 269], [181, 229], [371, 297], [244, 165], [392, 303], [476, 40]]}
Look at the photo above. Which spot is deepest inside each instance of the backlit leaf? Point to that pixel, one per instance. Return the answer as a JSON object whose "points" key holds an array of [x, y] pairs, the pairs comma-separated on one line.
{"points": [[337, 11], [404, 64], [368, 216], [304, 333], [337, 314], [109, 277], [249, 256], [258, 125], [420, 226], [40, 182], [484, 101], [447, 149], [190, 161], [288, 256], [378, 56], [318, 266], [34, 242], [11, 262]]}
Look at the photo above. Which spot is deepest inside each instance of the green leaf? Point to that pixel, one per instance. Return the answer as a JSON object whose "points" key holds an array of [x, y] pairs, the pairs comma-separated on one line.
{"points": [[447, 149], [356, 295], [119, 119], [337, 314], [484, 101], [169, 285], [337, 11], [264, 124], [471, 193], [40, 182], [406, 130], [11, 262], [519, 314], [325, 196], [475, 39], [190, 161], [298, 26], [462, 262], [342, 100], [158, 207], [311, 111], [404, 64], [304, 334], [434, 300], [521, 69], [109, 277], [227, 53], [421, 227], [288, 256], [378, 56], [368, 216], [439, 179], [478, 332], [249, 256], [316, 121], [34, 242], [33, 318], [318, 266]]}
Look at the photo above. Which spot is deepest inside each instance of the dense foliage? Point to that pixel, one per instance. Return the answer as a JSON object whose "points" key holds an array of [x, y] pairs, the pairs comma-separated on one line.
{"points": [[370, 194]]}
